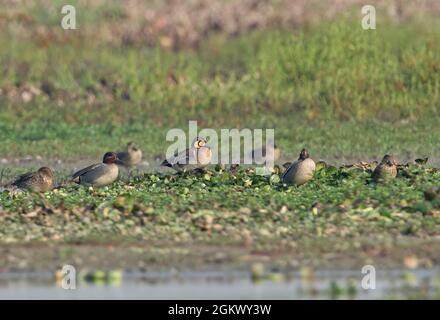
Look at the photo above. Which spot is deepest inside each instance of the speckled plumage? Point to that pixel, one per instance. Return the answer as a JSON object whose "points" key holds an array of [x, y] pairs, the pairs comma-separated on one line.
{"points": [[39, 181], [386, 170]]}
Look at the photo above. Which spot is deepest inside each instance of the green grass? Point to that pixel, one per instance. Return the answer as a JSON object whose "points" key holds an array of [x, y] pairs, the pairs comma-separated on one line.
{"points": [[344, 93], [339, 89], [332, 140], [223, 207]]}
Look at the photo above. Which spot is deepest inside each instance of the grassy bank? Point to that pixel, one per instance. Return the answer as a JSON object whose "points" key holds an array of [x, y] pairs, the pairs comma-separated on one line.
{"points": [[344, 93], [361, 92], [223, 207], [332, 141]]}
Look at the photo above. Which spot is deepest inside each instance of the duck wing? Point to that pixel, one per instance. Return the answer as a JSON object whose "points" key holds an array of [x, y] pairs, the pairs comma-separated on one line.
{"points": [[182, 158], [85, 170], [25, 179], [290, 169]]}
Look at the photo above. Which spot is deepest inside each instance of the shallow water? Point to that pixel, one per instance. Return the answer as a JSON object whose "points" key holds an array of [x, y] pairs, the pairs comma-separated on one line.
{"points": [[418, 284]]}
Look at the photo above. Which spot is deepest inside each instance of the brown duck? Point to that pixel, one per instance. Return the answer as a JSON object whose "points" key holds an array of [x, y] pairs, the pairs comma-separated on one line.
{"points": [[100, 174], [39, 181], [131, 157], [386, 170]]}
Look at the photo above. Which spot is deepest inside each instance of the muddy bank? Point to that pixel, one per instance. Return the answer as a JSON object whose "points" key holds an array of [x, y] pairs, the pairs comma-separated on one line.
{"points": [[146, 256]]}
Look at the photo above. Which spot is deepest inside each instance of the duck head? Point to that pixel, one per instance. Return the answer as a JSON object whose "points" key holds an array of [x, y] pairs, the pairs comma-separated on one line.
{"points": [[304, 154], [45, 172], [389, 160], [199, 142], [131, 146], [110, 158]]}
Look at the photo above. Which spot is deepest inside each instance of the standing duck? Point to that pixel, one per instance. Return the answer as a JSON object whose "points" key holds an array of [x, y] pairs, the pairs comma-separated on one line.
{"points": [[39, 181], [131, 157], [301, 170], [386, 170], [197, 156], [100, 174]]}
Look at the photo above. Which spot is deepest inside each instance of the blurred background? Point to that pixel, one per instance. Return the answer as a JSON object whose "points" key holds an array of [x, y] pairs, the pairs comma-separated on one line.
{"points": [[139, 68], [134, 69]]}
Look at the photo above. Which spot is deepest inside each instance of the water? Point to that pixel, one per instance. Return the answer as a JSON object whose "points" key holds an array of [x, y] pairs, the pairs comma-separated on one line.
{"points": [[328, 284]]}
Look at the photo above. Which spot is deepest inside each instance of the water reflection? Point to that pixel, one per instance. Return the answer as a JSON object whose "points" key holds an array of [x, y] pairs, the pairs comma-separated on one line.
{"points": [[301, 284]]}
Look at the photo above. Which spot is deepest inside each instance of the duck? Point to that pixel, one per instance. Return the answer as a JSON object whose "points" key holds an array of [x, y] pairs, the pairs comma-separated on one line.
{"points": [[300, 171], [41, 180], [386, 170], [260, 155], [130, 158], [198, 156], [99, 174]]}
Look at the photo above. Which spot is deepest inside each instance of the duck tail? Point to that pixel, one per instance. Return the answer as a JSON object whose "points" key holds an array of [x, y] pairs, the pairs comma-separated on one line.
{"points": [[165, 163], [70, 180]]}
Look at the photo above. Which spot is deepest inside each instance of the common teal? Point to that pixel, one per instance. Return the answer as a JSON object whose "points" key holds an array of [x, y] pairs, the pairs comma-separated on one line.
{"points": [[38, 181], [131, 157], [100, 174], [301, 170], [386, 170]]}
